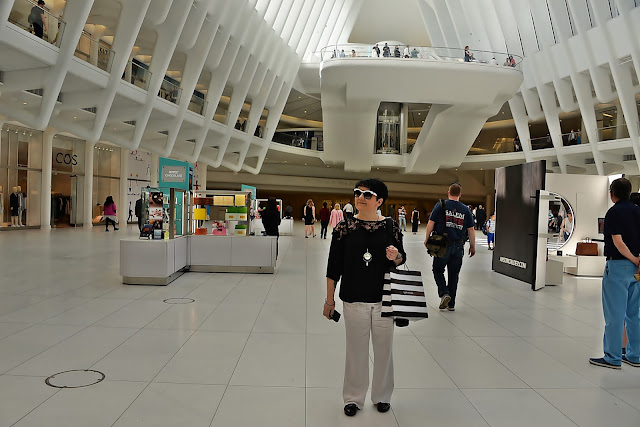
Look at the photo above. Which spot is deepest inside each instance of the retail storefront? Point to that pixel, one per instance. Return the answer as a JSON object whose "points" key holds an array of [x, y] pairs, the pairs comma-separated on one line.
{"points": [[20, 177], [67, 181], [106, 178]]}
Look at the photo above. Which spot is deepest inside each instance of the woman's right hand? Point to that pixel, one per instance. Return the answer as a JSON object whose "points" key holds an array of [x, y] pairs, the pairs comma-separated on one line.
{"points": [[327, 310]]}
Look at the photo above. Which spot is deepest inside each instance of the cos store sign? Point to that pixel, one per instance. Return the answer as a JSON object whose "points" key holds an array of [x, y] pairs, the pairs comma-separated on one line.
{"points": [[66, 159]]}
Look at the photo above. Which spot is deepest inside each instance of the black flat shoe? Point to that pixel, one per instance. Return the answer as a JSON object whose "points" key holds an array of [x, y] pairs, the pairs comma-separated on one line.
{"points": [[350, 409], [382, 407]]}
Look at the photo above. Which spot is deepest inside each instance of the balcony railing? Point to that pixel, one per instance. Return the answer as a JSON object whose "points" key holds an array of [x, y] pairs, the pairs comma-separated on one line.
{"points": [[198, 105], [140, 76], [27, 15], [94, 52], [170, 91], [315, 142], [348, 51]]}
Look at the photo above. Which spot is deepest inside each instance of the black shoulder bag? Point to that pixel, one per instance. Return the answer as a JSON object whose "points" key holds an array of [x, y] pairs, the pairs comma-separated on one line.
{"points": [[437, 243]]}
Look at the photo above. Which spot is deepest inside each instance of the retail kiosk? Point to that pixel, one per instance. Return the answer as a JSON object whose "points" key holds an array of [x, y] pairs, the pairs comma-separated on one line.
{"points": [[205, 231]]}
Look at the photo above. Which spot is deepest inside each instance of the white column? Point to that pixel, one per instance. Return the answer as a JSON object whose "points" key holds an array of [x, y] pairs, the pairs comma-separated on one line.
{"points": [[88, 184], [45, 201], [123, 211], [155, 164]]}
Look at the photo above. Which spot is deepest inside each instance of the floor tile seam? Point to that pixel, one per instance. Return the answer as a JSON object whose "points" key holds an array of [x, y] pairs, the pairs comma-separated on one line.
{"points": [[436, 361], [556, 407], [608, 390], [550, 356], [474, 407], [169, 307], [21, 330], [150, 382], [230, 377], [549, 326], [489, 318], [498, 361], [37, 406], [221, 302]]}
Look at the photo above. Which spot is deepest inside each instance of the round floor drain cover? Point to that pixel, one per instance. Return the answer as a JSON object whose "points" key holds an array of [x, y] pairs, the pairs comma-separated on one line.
{"points": [[179, 300], [75, 378]]}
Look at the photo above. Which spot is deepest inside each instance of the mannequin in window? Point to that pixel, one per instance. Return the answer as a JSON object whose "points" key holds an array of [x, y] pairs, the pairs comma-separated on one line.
{"points": [[21, 206], [13, 203]]}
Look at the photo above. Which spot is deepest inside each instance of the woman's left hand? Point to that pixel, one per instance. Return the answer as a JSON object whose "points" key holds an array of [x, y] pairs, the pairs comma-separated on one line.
{"points": [[392, 253]]}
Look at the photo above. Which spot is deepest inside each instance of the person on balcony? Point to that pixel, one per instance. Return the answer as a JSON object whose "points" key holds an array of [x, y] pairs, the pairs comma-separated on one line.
{"points": [[406, 52], [396, 52], [376, 49], [414, 53], [468, 56], [342, 53], [353, 53], [386, 51], [37, 19]]}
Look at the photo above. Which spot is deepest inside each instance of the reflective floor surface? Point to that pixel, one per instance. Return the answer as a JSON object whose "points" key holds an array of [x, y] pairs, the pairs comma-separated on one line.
{"points": [[254, 350]]}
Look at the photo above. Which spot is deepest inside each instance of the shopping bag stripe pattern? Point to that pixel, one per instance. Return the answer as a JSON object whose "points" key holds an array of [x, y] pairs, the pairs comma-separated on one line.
{"points": [[403, 296]]}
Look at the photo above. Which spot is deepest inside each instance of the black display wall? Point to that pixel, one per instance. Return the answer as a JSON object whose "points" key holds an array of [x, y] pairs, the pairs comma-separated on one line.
{"points": [[517, 219]]}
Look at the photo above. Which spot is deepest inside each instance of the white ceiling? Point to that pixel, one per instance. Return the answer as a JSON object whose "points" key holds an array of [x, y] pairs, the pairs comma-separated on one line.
{"points": [[390, 20]]}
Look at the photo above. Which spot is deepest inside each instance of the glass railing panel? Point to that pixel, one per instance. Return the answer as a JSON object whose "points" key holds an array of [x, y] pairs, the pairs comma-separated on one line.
{"points": [[308, 142], [170, 91], [610, 133], [221, 115], [541, 143], [420, 52], [27, 15], [198, 105], [140, 76], [94, 52]]}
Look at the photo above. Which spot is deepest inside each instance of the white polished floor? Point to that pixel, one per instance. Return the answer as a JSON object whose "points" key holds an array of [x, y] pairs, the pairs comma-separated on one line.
{"points": [[254, 350]]}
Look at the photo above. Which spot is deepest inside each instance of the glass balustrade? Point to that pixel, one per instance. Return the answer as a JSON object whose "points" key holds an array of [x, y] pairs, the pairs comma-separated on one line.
{"points": [[197, 104], [27, 15], [221, 115], [170, 91], [140, 76], [310, 140], [609, 133], [349, 51], [94, 52]]}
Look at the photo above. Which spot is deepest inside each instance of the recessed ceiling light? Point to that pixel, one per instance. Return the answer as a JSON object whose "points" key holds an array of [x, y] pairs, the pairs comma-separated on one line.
{"points": [[285, 161], [299, 97], [24, 103], [305, 164], [418, 113], [305, 111], [75, 117]]}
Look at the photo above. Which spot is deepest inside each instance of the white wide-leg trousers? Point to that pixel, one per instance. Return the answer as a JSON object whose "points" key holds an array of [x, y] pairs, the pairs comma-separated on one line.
{"points": [[361, 320]]}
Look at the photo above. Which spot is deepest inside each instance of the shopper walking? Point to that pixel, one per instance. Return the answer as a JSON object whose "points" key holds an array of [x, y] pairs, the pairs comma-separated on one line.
{"points": [[481, 217], [491, 232], [620, 290], [309, 219], [271, 220], [456, 219], [38, 20], [336, 216], [376, 50], [386, 51], [396, 52], [415, 220], [402, 218], [324, 216], [362, 250], [348, 210], [110, 214]]}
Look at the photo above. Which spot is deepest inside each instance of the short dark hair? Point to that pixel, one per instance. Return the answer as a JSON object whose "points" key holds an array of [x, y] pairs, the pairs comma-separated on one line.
{"points": [[324, 204], [455, 189], [621, 188], [375, 185], [40, 1]]}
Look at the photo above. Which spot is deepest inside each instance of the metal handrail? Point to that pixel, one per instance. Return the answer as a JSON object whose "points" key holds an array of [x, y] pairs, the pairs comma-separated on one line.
{"points": [[27, 26], [354, 50]]}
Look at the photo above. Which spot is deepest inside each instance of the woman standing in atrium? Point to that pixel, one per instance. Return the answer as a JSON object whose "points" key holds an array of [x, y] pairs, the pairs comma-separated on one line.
{"points": [[362, 250]]}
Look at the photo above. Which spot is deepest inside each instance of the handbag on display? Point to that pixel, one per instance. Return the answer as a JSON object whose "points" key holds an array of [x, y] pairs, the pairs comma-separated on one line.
{"points": [[589, 249], [403, 295], [437, 243]]}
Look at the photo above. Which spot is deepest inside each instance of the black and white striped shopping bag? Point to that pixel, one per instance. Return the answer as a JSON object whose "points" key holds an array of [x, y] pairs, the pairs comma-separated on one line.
{"points": [[403, 295]]}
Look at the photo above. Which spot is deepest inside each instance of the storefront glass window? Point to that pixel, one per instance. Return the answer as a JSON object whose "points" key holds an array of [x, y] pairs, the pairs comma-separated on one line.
{"points": [[106, 178], [20, 176]]}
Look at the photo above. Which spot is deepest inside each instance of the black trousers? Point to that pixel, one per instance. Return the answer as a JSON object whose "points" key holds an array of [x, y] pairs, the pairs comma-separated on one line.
{"points": [[109, 220], [323, 228], [37, 28]]}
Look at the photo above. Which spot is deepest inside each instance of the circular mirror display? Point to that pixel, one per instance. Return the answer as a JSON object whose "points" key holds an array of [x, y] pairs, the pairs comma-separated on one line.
{"points": [[560, 223]]}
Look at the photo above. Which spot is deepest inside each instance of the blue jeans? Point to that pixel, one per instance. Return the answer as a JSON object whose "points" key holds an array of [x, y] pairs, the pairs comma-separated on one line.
{"points": [[452, 260], [402, 223], [621, 305]]}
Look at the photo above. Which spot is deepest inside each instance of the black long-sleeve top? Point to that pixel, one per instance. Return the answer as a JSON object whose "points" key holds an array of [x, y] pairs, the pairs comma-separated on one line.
{"points": [[271, 221], [349, 241]]}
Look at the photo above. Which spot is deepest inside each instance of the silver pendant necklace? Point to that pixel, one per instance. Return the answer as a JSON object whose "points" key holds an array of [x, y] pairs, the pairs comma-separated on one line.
{"points": [[367, 257]]}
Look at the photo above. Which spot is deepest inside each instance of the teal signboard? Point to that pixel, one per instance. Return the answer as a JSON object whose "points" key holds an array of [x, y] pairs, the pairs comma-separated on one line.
{"points": [[174, 174]]}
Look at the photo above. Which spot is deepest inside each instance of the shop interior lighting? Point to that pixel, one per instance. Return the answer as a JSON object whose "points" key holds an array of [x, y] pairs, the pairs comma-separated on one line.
{"points": [[607, 115]]}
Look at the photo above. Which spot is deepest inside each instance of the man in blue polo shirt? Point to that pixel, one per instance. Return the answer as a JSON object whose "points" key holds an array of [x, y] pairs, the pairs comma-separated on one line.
{"points": [[458, 221], [620, 290]]}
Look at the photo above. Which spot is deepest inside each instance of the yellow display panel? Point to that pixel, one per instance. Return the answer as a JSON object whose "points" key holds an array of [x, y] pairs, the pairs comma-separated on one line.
{"points": [[200, 214], [240, 200]]}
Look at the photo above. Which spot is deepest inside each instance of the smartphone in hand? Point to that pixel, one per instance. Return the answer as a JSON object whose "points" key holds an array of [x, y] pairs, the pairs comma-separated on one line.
{"points": [[335, 316]]}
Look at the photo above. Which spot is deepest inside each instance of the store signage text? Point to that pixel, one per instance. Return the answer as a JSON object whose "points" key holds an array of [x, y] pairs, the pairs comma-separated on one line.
{"points": [[67, 159], [515, 263], [173, 173]]}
